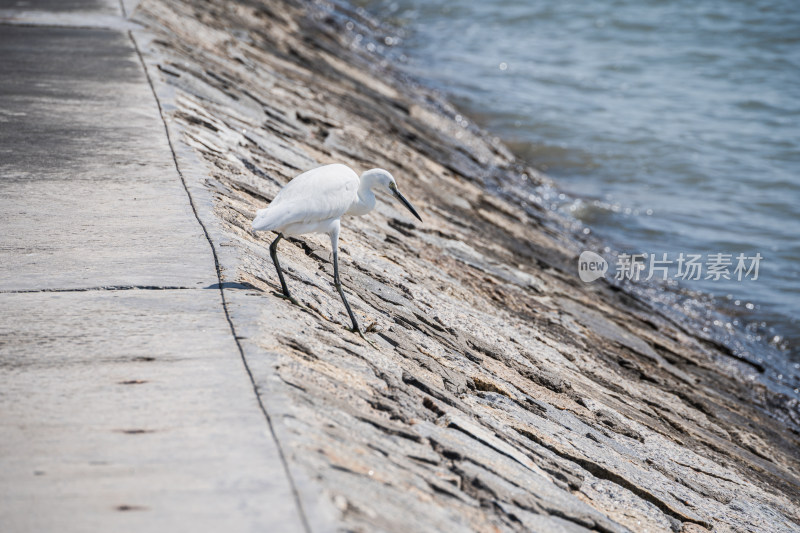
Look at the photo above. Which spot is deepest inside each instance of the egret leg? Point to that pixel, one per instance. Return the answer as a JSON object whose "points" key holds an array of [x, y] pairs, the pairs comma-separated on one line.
{"points": [[338, 285], [334, 234], [273, 251]]}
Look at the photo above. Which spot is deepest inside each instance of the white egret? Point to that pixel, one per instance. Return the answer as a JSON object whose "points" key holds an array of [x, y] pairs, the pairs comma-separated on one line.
{"points": [[315, 201]]}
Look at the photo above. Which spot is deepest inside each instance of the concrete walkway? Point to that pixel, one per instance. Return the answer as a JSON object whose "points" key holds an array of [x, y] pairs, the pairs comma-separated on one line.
{"points": [[125, 404]]}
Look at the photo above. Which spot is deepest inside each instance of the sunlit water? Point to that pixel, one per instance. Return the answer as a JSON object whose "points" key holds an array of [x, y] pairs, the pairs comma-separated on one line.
{"points": [[672, 126]]}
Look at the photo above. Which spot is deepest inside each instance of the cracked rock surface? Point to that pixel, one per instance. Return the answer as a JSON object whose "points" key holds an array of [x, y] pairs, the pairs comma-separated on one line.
{"points": [[501, 393]]}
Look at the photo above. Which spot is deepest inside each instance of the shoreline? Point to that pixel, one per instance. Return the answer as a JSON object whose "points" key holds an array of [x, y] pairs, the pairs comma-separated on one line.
{"points": [[745, 354], [471, 87], [503, 393], [491, 352]]}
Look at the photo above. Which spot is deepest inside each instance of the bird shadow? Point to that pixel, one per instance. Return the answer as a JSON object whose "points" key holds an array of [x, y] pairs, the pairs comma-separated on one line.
{"points": [[233, 285], [304, 307]]}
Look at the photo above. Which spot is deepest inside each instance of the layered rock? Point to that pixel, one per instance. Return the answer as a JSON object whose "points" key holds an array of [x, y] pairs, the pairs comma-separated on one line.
{"points": [[501, 392]]}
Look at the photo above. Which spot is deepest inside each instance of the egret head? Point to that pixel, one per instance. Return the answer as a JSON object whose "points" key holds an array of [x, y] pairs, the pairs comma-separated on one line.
{"points": [[383, 179]]}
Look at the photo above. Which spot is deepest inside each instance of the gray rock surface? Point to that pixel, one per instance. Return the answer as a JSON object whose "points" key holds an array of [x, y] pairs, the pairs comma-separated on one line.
{"points": [[502, 393]]}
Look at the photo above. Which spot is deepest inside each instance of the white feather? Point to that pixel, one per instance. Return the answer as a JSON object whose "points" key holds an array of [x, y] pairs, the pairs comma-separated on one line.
{"points": [[311, 202]]}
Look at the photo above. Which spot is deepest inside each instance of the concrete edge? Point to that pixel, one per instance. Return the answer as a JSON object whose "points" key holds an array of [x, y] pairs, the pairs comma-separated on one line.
{"points": [[317, 511]]}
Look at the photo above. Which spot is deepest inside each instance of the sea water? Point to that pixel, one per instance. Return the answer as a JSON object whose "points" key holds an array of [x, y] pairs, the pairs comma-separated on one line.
{"points": [[669, 127]]}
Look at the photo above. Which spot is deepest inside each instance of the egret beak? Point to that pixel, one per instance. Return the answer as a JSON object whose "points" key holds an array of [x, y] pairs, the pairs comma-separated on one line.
{"points": [[406, 203]]}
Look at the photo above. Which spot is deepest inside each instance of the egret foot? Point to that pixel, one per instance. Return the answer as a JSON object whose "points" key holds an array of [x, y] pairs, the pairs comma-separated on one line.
{"points": [[287, 297], [360, 334], [319, 313]]}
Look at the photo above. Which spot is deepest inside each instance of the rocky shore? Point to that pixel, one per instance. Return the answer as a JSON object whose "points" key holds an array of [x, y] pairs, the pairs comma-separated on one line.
{"points": [[502, 393]]}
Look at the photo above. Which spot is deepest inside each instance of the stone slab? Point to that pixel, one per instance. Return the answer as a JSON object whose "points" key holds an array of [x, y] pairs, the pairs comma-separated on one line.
{"points": [[123, 410], [107, 7], [89, 195]]}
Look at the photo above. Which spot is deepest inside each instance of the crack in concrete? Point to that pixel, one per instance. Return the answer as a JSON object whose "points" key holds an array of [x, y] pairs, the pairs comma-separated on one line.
{"points": [[108, 288], [50, 20], [29, 23], [221, 285]]}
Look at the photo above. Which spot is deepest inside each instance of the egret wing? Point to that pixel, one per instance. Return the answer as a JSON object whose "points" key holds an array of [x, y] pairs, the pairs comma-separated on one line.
{"points": [[320, 194]]}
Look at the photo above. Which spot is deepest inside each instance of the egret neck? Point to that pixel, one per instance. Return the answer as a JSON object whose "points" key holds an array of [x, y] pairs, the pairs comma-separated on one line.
{"points": [[365, 201]]}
